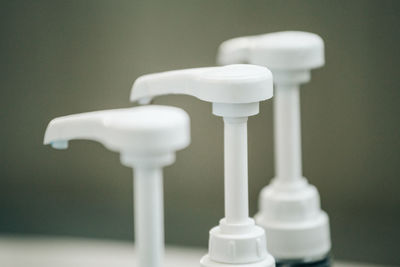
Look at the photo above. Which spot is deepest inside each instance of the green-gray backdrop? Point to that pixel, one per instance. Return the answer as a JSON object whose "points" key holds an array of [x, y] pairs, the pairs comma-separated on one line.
{"points": [[62, 57]]}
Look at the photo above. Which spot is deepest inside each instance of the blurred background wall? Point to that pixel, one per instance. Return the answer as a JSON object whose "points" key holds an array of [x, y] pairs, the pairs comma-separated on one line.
{"points": [[62, 57]]}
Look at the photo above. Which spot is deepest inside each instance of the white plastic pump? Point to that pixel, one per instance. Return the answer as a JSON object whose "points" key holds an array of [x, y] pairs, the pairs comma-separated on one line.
{"points": [[235, 92], [146, 138], [296, 227]]}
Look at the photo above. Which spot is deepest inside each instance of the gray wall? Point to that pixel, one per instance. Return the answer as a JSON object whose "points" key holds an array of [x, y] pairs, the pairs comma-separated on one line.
{"points": [[62, 57]]}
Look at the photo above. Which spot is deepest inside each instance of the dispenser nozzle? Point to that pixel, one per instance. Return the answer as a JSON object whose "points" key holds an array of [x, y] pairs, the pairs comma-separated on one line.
{"points": [[60, 145]]}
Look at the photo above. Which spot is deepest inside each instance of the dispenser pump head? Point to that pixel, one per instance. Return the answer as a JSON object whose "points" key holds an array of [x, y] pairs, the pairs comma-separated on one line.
{"points": [[134, 131], [289, 50], [227, 84]]}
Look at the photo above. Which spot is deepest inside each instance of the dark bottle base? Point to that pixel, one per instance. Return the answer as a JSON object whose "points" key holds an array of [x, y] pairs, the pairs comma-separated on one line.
{"points": [[326, 262]]}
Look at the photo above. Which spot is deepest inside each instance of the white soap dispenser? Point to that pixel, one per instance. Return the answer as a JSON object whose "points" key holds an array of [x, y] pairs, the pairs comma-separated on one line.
{"points": [[146, 138], [235, 92], [296, 227]]}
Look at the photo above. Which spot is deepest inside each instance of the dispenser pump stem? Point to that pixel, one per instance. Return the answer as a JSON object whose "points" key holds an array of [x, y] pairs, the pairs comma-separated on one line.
{"points": [[235, 170], [149, 222], [287, 133]]}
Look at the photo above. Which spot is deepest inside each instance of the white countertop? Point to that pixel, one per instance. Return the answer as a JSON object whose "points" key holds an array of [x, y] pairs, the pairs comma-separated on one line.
{"points": [[78, 252]]}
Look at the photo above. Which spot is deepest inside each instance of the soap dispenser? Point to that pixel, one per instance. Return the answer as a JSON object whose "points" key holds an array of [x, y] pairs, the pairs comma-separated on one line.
{"points": [[235, 92], [296, 227], [146, 138]]}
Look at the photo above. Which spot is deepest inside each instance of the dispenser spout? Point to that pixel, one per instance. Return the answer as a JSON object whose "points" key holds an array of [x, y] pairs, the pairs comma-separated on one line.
{"points": [[90, 126], [60, 144]]}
